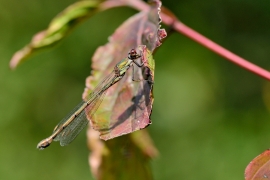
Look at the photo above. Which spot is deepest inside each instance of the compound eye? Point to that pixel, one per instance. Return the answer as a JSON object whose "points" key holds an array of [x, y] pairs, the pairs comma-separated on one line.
{"points": [[133, 54]]}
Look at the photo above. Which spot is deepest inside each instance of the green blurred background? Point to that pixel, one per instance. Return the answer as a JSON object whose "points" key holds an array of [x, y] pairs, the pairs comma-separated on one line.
{"points": [[210, 117]]}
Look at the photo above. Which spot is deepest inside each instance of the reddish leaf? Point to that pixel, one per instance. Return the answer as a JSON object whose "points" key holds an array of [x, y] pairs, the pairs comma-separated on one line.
{"points": [[131, 107], [127, 106], [125, 157], [259, 168]]}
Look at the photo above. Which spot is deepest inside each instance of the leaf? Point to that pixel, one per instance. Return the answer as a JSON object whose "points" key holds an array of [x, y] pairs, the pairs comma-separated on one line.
{"points": [[59, 27], [131, 105], [127, 106], [125, 157], [259, 168]]}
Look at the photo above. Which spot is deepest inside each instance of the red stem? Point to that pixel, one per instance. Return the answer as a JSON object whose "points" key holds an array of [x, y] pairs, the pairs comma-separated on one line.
{"points": [[183, 29]]}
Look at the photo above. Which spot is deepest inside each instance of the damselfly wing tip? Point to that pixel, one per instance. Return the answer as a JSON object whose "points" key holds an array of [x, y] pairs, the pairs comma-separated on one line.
{"points": [[44, 143]]}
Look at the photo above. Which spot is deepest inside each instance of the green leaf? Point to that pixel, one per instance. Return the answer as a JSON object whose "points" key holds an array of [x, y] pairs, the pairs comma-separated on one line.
{"points": [[59, 28]]}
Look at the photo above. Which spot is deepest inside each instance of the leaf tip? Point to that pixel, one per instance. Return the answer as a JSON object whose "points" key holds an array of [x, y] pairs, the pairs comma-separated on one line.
{"points": [[18, 57]]}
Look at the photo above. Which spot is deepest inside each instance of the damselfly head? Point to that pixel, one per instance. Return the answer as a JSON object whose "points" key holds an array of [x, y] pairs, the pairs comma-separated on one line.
{"points": [[133, 54]]}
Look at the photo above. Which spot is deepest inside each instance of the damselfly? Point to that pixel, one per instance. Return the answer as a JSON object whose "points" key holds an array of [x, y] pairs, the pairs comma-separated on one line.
{"points": [[70, 127]]}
